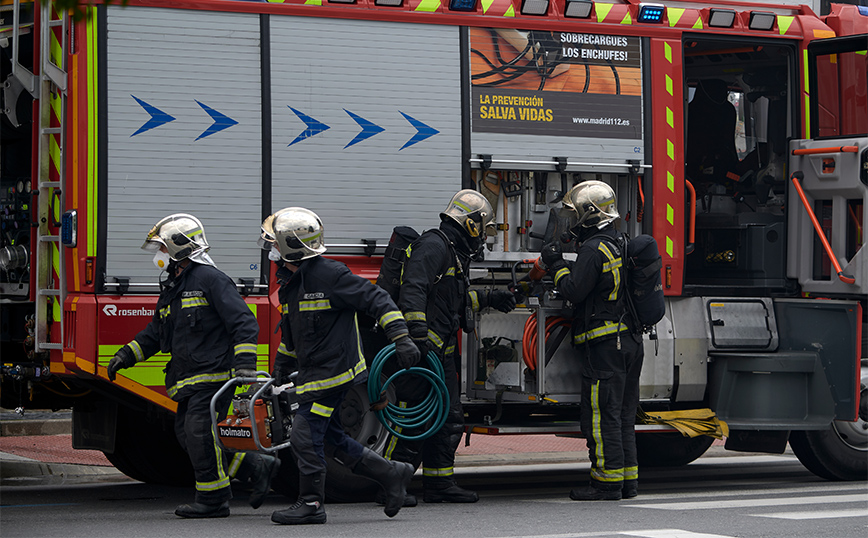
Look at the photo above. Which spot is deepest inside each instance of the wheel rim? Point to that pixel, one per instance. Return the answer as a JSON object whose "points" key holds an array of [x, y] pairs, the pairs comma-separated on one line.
{"points": [[855, 434], [360, 422]]}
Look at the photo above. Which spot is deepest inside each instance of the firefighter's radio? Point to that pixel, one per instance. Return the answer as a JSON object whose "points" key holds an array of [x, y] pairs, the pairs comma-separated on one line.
{"points": [[260, 419]]}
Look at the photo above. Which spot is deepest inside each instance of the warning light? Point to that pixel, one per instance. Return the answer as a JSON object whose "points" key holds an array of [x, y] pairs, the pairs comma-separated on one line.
{"points": [[68, 228], [462, 5], [651, 12], [534, 7], [761, 20], [578, 9], [721, 18]]}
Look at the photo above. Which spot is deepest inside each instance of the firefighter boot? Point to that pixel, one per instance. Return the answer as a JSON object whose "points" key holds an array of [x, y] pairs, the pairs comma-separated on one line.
{"points": [[393, 476], [591, 493], [265, 470], [308, 508], [449, 492], [631, 489], [201, 510], [409, 499]]}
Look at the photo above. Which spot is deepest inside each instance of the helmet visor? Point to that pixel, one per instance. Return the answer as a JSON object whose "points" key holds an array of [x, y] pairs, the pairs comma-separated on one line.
{"points": [[264, 242], [151, 246]]}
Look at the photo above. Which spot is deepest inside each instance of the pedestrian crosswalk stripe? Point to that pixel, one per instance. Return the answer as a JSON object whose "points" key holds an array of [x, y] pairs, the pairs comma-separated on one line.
{"points": [[649, 533], [750, 503], [671, 533], [825, 514]]}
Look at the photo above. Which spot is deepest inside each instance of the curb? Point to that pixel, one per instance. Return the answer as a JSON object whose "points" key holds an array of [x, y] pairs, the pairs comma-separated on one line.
{"points": [[19, 471], [24, 427]]}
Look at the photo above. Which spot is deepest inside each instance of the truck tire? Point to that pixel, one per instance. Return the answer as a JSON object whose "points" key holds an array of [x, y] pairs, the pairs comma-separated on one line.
{"points": [[147, 450], [342, 485], [670, 449], [841, 451]]}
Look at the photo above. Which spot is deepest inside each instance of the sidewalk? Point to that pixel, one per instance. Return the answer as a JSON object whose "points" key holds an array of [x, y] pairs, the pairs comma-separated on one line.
{"points": [[45, 454], [26, 458]]}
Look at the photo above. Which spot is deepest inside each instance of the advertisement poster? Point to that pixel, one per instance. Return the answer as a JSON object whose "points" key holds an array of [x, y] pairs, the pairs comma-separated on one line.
{"points": [[555, 83]]}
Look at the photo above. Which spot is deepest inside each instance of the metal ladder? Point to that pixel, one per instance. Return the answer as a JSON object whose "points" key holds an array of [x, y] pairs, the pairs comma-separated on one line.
{"points": [[50, 88]]}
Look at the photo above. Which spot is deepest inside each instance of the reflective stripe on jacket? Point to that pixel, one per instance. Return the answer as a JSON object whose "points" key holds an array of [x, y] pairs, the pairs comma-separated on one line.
{"points": [[595, 276], [203, 322], [320, 333]]}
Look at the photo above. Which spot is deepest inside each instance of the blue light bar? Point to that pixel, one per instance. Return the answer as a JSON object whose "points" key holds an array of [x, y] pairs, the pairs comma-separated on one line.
{"points": [[462, 5], [651, 12]]}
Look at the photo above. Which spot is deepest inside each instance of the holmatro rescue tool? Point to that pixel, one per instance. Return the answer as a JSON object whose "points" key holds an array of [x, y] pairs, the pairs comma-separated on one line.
{"points": [[264, 405]]}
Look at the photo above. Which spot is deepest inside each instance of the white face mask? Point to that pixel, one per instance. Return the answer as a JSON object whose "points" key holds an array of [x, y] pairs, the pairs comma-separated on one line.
{"points": [[161, 260], [274, 254]]}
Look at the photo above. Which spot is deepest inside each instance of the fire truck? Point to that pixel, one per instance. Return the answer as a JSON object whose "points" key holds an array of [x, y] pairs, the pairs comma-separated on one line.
{"points": [[735, 133]]}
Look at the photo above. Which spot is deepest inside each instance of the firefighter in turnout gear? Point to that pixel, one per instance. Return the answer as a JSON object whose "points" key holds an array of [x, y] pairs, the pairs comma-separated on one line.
{"points": [[203, 322], [610, 353], [320, 299], [436, 301]]}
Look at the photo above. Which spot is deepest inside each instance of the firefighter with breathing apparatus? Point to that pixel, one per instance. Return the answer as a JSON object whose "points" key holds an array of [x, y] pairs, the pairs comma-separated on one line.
{"points": [[202, 321], [320, 299], [436, 299], [609, 351]]}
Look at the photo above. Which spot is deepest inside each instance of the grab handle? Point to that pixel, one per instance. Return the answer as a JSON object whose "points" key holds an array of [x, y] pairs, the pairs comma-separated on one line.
{"points": [[691, 229], [847, 279]]}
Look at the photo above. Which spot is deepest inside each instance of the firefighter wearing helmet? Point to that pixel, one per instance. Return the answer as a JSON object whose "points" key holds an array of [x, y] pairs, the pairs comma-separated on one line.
{"points": [[202, 321], [436, 299], [320, 299], [609, 353]]}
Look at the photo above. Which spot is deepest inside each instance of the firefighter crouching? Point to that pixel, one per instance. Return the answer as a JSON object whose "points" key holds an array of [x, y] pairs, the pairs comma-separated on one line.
{"points": [[320, 299], [436, 301], [609, 352], [203, 322]]}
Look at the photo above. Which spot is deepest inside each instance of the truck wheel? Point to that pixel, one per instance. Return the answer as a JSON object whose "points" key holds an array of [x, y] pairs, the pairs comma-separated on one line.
{"points": [[840, 452], [124, 465], [147, 450], [342, 485], [362, 425], [670, 449]]}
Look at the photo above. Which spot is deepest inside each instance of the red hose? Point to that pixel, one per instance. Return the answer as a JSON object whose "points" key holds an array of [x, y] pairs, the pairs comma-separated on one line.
{"points": [[529, 338]]}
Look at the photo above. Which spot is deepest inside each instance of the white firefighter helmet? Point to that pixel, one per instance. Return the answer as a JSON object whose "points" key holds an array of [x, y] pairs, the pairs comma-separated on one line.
{"points": [[471, 211], [183, 236], [297, 232], [594, 203]]}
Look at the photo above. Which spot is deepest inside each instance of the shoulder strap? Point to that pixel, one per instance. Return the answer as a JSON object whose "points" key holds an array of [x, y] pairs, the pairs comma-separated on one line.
{"points": [[458, 266]]}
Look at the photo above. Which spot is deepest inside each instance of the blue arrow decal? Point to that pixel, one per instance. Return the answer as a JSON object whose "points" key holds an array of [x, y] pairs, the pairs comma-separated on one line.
{"points": [[369, 129], [221, 121], [423, 131], [314, 127], [158, 117]]}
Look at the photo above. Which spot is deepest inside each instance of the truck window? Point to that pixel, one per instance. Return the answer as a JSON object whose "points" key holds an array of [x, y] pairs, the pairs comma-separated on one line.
{"points": [[739, 118]]}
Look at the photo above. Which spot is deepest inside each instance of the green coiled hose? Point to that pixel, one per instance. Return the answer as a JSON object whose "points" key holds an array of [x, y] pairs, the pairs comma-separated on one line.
{"points": [[433, 408]]}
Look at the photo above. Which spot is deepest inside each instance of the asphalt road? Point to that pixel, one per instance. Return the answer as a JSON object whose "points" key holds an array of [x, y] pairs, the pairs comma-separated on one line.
{"points": [[738, 496]]}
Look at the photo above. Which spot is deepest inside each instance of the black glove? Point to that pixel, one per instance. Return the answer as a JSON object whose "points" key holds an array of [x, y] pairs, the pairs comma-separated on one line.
{"points": [[279, 374], [122, 359], [422, 345], [501, 300], [552, 254], [244, 372], [408, 352]]}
